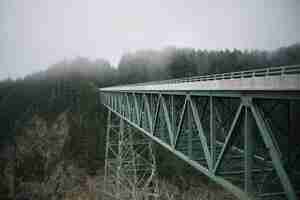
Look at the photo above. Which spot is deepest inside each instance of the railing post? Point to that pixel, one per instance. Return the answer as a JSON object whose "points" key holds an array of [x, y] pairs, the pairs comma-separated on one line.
{"points": [[282, 71]]}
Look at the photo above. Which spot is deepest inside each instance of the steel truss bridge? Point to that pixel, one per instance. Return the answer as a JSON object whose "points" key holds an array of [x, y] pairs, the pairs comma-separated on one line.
{"points": [[240, 129]]}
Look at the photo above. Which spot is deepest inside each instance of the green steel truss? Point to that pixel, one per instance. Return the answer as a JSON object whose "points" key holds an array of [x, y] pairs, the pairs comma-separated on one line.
{"points": [[248, 142], [130, 167]]}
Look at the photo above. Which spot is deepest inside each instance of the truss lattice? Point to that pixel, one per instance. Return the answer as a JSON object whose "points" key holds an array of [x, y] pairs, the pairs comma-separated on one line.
{"points": [[130, 168], [247, 142]]}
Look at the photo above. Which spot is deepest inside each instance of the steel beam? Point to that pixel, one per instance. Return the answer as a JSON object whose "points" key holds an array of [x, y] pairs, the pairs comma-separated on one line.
{"points": [[277, 163], [226, 184], [131, 169], [148, 113], [248, 153], [290, 95], [180, 121], [212, 128], [228, 138], [168, 121], [244, 117], [200, 132]]}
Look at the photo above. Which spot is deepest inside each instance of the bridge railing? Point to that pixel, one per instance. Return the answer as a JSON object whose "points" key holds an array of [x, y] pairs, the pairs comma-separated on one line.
{"points": [[264, 72]]}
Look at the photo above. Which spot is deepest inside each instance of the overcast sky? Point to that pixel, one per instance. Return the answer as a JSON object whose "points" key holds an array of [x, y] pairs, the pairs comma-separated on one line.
{"points": [[37, 33]]}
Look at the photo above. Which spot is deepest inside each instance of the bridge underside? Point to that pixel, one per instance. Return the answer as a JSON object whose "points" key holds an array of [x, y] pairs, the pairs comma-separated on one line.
{"points": [[130, 169], [245, 141]]}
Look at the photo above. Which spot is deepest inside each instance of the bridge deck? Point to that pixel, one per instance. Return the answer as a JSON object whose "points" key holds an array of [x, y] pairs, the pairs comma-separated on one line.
{"points": [[269, 79]]}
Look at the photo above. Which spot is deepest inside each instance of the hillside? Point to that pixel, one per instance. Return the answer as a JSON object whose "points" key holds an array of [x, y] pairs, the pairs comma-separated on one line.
{"points": [[52, 130]]}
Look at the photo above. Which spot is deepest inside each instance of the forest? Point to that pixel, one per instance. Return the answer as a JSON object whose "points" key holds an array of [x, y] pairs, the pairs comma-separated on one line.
{"points": [[71, 86]]}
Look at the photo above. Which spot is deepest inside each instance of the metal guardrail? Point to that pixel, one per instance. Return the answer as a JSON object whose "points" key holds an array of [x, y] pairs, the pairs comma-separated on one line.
{"points": [[264, 72]]}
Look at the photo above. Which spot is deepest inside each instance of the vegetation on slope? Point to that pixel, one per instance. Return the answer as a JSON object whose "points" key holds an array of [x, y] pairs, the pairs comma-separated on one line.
{"points": [[71, 87]]}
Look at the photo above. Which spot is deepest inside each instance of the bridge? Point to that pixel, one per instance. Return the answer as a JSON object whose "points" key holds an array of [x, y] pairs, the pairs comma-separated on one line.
{"points": [[240, 129]]}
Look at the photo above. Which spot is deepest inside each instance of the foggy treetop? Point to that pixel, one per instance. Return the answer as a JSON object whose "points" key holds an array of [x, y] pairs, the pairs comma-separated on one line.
{"points": [[171, 62]]}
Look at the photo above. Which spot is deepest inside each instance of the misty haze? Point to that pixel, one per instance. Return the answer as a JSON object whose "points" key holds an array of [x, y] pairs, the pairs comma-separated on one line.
{"points": [[164, 100]]}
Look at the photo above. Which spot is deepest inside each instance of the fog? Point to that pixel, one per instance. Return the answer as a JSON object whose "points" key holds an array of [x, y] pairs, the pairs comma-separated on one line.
{"points": [[35, 34]]}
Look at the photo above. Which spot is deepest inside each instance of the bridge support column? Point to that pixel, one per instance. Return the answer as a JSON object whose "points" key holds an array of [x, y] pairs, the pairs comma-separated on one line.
{"points": [[213, 139], [248, 152], [130, 168]]}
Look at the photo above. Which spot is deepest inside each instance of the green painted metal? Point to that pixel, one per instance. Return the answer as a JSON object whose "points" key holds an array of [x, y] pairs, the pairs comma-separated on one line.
{"points": [[212, 132], [148, 112], [130, 168], [108, 127], [277, 163], [156, 112], [190, 133], [248, 153], [226, 184], [291, 95], [200, 131], [228, 139], [227, 132], [180, 121], [167, 118], [137, 111]]}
